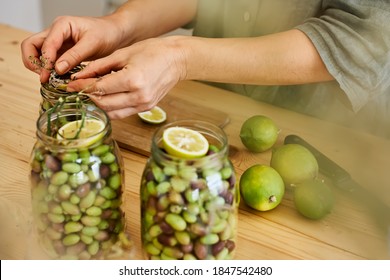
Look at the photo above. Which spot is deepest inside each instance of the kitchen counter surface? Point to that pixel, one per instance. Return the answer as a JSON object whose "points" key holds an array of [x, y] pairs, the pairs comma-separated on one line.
{"points": [[349, 232]]}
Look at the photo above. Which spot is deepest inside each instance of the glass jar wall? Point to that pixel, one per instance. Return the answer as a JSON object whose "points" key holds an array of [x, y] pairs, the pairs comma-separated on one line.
{"points": [[189, 207], [51, 95], [77, 188]]}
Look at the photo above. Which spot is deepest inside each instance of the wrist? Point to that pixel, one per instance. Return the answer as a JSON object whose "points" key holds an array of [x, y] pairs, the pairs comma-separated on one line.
{"points": [[181, 49], [123, 22]]}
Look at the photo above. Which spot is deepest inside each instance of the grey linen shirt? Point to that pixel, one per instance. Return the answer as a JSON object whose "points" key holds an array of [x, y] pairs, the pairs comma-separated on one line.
{"points": [[352, 38]]}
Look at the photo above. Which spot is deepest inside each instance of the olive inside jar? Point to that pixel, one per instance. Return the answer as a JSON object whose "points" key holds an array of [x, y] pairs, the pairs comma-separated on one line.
{"points": [[189, 206], [77, 188]]}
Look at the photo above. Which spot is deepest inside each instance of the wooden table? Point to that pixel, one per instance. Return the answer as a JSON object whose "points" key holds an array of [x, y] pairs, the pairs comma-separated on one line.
{"points": [[349, 232]]}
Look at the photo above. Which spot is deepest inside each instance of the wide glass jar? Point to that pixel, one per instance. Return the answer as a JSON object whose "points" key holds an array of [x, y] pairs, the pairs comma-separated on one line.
{"points": [[55, 89], [189, 207], [77, 188]]}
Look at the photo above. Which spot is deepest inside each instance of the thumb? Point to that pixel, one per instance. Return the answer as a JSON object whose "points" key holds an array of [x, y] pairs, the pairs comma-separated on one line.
{"points": [[73, 57]]}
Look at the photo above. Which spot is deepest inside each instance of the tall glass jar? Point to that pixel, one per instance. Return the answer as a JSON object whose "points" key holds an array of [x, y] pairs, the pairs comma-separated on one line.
{"points": [[77, 186], [189, 207]]}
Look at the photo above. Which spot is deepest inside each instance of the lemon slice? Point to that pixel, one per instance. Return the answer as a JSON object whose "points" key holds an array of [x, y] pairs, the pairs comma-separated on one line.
{"points": [[90, 133], [184, 142], [155, 115]]}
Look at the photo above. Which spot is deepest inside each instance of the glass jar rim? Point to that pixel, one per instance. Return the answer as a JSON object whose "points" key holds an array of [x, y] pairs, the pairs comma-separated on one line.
{"points": [[49, 92], [47, 89], [71, 109], [204, 127]]}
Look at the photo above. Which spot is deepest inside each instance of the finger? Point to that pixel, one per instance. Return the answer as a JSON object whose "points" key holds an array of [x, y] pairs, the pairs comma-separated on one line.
{"points": [[54, 41], [63, 39], [34, 64], [119, 101], [85, 86], [99, 67], [32, 54], [122, 113], [80, 52], [108, 84], [114, 106], [44, 75], [50, 47], [30, 49], [93, 87]]}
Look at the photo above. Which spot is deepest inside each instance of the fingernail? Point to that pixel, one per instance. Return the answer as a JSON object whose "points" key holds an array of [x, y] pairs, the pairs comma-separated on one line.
{"points": [[43, 77], [62, 66]]}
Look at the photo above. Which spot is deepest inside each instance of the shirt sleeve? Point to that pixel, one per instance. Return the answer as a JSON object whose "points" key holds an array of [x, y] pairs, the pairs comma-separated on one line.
{"points": [[353, 39]]}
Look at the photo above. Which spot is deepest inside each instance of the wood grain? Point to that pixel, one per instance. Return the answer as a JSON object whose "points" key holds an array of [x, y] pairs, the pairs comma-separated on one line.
{"points": [[349, 232], [135, 135]]}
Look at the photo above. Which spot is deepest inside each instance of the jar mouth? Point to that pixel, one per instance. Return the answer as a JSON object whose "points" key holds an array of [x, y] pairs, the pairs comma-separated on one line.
{"points": [[213, 133], [50, 121], [58, 83], [48, 91]]}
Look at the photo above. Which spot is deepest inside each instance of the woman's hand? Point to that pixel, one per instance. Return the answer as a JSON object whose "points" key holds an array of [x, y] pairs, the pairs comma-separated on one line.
{"points": [[68, 42], [133, 79], [72, 40]]}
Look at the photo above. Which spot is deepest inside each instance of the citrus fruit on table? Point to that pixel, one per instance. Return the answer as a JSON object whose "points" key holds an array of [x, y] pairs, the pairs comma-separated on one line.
{"points": [[294, 163], [184, 142], [88, 131], [261, 187], [155, 116], [259, 133], [313, 199]]}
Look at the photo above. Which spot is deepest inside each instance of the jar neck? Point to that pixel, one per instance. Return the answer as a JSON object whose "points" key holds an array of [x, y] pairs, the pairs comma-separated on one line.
{"points": [[72, 112], [52, 94], [214, 134]]}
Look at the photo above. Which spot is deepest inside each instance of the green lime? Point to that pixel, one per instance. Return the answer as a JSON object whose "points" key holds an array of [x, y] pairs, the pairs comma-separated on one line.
{"points": [[313, 199], [184, 142], [261, 187], [294, 163], [259, 133]]}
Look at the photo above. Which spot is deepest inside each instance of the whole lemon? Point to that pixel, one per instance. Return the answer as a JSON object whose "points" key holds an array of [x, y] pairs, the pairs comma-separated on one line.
{"points": [[259, 133], [261, 187], [295, 163], [313, 199]]}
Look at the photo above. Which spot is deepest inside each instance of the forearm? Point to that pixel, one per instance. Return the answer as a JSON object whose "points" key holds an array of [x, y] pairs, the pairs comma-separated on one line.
{"points": [[141, 19], [279, 59]]}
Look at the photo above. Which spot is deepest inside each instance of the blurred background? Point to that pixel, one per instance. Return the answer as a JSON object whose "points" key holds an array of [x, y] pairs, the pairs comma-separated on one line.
{"points": [[36, 15]]}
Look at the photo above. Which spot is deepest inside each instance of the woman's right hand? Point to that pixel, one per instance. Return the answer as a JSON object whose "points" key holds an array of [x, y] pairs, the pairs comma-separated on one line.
{"points": [[68, 42], [71, 40]]}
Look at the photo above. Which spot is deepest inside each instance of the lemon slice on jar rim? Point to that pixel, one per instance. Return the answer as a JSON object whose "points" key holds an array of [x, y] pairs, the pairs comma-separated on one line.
{"points": [[90, 133], [155, 116], [184, 142]]}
